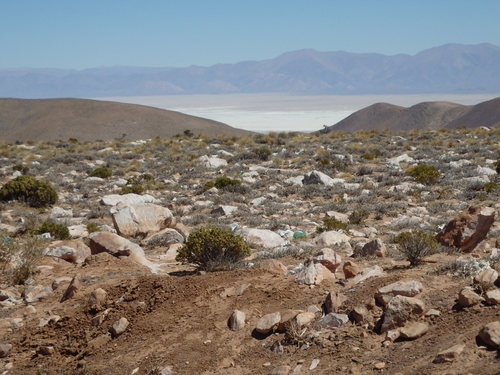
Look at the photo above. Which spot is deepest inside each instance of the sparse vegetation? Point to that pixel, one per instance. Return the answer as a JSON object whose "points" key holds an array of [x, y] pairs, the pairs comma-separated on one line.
{"points": [[36, 193], [330, 223], [56, 230], [224, 183], [415, 246], [101, 172], [424, 173], [213, 249]]}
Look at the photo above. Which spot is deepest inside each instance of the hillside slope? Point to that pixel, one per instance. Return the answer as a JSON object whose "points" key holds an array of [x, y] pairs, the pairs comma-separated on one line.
{"points": [[87, 120], [427, 115]]}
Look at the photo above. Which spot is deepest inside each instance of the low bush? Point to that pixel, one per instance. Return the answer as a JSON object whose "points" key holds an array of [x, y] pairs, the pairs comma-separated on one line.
{"points": [[101, 172], [424, 173], [18, 258], [213, 249], [57, 231], [223, 183], [330, 223], [36, 193], [416, 245], [135, 188], [92, 227], [21, 168], [358, 216]]}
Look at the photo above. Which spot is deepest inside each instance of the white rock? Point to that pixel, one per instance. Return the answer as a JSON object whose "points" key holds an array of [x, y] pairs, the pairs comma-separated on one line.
{"points": [[127, 199], [262, 237], [212, 161], [140, 219]]}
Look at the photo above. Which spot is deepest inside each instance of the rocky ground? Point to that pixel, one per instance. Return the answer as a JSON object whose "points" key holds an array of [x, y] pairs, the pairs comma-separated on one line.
{"points": [[316, 296]]}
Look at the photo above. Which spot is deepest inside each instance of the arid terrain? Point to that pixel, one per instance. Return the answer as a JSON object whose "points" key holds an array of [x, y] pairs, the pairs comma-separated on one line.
{"points": [[373, 252]]}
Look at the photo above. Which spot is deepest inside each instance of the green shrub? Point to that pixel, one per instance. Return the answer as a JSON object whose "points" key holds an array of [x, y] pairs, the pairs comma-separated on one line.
{"points": [[92, 227], [18, 258], [213, 249], [358, 216], [416, 245], [21, 168], [330, 223], [424, 173], [102, 172], [497, 166], [263, 153], [223, 183], [57, 231], [135, 188], [490, 187], [36, 193]]}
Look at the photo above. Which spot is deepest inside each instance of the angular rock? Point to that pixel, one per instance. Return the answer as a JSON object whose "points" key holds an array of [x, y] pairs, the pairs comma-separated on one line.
{"points": [[268, 323], [141, 219], [450, 354], [492, 297], [224, 210], [490, 335], [399, 310], [360, 315], [333, 301], [127, 199], [400, 288], [277, 347], [488, 276], [468, 297], [5, 349], [58, 212], [212, 161], [273, 266], [328, 258], [332, 320], [367, 273], [262, 238], [319, 178], [73, 251], [235, 290], [334, 239], [165, 237], [314, 274], [350, 269], [119, 327], [372, 248], [34, 293], [344, 218], [236, 320], [97, 299], [287, 316], [281, 370], [305, 318], [73, 287], [467, 230], [413, 330]]}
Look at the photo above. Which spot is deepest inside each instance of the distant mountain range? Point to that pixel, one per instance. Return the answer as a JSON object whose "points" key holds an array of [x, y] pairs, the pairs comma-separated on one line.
{"points": [[90, 120], [451, 68], [428, 115]]}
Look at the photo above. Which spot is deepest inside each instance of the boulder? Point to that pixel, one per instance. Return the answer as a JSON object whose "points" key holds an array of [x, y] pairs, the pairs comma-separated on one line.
{"points": [[224, 210], [399, 310], [236, 320], [212, 161], [372, 248], [127, 199], [319, 178], [490, 335], [468, 229], [313, 274], [34, 293], [328, 258], [305, 318], [450, 354], [165, 237], [141, 219], [400, 288], [487, 276], [492, 297], [367, 273], [268, 323], [73, 251], [273, 266], [468, 297], [338, 241], [262, 237]]}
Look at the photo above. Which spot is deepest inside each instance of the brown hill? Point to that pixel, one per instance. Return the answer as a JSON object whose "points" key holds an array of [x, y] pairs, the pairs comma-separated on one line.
{"points": [[87, 120], [427, 115], [483, 114]]}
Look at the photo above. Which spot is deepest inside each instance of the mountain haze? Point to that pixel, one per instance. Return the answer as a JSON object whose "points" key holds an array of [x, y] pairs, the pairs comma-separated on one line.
{"points": [[451, 68], [89, 120], [427, 115]]}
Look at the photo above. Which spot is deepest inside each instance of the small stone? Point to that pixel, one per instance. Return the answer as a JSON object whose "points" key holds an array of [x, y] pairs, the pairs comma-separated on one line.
{"points": [[399, 310], [268, 322], [350, 269], [281, 370], [486, 277], [413, 330], [492, 297], [4, 349], [45, 350], [400, 288], [73, 287], [297, 370], [450, 354], [333, 301], [167, 371], [97, 299], [490, 334], [379, 365], [277, 347], [237, 320], [119, 327], [372, 248], [273, 266], [332, 320], [314, 364], [305, 318], [433, 312], [392, 335], [360, 314]]}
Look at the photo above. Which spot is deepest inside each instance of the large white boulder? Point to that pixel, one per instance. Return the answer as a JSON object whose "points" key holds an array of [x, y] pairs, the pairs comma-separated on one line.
{"points": [[141, 219]]}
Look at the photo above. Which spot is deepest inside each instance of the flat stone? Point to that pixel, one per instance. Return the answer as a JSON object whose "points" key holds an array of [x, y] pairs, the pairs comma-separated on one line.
{"points": [[281, 370], [367, 273], [468, 297], [141, 219], [400, 288], [450, 354], [332, 320], [492, 297], [413, 330], [399, 310], [73, 251], [268, 323], [127, 199], [273, 266]]}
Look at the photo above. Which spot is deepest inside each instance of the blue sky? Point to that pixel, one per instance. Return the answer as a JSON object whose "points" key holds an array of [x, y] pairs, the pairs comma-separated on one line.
{"points": [[88, 33]]}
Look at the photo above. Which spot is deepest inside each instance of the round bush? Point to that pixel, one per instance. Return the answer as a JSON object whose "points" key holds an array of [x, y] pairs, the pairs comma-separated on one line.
{"points": [[57, 231], [424, 173], [101, 172], [213, 249], [36, 193]]}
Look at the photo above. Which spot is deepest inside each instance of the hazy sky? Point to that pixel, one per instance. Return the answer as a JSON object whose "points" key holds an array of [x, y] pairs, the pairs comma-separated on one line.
{"points": [[89, 33]]}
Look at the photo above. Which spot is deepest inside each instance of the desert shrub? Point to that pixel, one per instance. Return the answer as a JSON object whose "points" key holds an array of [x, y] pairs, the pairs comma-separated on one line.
{"points": [[497, 166], [416, 245], [101, 172], [135, 188], [56, 230], [358, 216], [330, 223], [213, 249], [490, 187], [223, 183], [424, 173], [21, 168], [18, 257], [92, 227], [263, 153], [36, 193]]}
